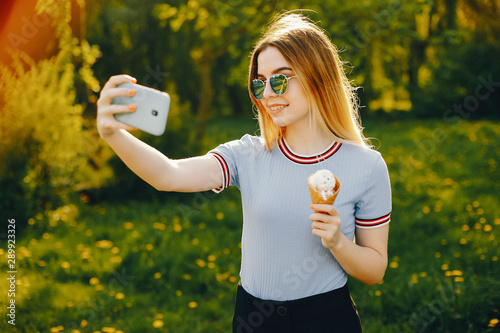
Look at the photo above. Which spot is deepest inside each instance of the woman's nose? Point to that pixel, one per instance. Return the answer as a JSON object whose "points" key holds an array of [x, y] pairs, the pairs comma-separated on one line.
{"points": [[268, 91]]}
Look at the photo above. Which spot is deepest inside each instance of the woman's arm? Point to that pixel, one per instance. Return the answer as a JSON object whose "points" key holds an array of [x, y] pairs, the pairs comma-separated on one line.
{"points": [[188, 175], [365, 259]]}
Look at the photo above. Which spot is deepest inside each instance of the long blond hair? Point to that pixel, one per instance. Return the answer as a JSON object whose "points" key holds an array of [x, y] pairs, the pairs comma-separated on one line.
{"points": [[315, 60]]}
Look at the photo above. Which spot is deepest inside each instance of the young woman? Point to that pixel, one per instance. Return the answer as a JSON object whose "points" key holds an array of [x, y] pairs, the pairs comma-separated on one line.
{"points": [[295, 256]]}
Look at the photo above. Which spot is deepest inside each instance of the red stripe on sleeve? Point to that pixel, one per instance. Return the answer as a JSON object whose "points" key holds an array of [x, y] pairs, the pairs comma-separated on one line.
{"points": [[379, 221], [225, 171]]}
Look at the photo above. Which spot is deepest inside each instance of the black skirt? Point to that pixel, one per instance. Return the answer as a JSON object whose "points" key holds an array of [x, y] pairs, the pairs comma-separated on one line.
{"points": [[333, 311]]}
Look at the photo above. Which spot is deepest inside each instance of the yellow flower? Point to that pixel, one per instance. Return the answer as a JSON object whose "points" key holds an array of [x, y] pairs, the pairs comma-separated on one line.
{"points": [[193, 305], [493, 322], [158, 323], [120, 296], [393, 264], [219, 216], [414, 278], [128, 225], [157, 275], [65, 264]]}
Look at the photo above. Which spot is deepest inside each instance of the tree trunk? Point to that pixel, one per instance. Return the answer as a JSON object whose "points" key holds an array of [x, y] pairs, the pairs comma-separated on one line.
{"points": [[206, 96]]}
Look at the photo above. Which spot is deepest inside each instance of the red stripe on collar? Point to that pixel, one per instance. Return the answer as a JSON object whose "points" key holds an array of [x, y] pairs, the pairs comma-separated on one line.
{"points": [[332, 149]]}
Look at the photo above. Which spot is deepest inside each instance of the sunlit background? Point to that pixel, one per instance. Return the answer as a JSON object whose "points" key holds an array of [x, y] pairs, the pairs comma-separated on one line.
{"points": [[98, 250]]}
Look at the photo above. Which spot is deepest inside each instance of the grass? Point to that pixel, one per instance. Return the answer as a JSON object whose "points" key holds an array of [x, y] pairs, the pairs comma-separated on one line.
{"points": [[172, 265]]}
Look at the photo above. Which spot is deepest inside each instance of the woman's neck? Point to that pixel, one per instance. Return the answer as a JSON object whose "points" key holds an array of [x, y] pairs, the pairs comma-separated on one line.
{"points": [[307, 143]]}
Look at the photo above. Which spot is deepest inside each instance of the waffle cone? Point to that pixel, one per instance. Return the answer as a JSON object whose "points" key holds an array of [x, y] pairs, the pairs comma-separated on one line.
{"points": [[316, 197]]}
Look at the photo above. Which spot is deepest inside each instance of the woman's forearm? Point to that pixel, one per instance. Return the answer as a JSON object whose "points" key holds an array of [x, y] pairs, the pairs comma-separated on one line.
{"points": [[145, 161], [362, 263]]}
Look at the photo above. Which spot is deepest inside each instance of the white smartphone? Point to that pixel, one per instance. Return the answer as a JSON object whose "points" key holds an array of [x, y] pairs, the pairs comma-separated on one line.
{"points": [[152, 108]]}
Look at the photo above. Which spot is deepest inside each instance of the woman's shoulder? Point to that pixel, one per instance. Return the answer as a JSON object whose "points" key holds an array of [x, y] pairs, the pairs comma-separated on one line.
{"points": [[245, 143], [365, 155]]}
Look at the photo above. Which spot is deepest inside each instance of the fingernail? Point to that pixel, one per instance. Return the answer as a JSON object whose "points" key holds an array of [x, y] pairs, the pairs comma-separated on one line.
{"points": [[134, 80], [312, 206], [131, 92], [132, 107]]}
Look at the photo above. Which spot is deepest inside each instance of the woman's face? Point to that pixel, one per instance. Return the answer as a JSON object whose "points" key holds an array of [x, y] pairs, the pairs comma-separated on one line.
{"points": [[290, 109]]}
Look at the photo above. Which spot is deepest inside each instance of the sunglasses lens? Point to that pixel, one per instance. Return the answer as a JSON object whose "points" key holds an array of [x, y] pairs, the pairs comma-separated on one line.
{"points": [[258, 88], [279, 83]]}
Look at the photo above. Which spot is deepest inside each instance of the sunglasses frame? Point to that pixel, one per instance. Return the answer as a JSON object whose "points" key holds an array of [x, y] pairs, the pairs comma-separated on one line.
{"points": [[278, 91]]}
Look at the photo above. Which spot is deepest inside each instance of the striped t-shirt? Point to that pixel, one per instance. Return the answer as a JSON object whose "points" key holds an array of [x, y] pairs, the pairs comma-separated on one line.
{"points": [[281, 258]]}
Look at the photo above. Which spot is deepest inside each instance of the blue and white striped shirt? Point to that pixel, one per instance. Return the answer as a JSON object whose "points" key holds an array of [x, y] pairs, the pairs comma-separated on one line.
{"points": [[281, 258]]}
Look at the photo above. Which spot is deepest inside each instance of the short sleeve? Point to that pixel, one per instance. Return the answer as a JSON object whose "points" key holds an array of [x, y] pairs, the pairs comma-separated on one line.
{"points": [[374, 208], [229, 156]]}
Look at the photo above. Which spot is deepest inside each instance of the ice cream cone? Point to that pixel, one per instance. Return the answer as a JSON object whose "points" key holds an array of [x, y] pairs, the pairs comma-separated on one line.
{"points": [[316, 197]]}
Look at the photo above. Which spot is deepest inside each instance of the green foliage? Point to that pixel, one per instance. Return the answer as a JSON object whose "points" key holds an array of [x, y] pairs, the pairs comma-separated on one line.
{"points": [[173, 265], [45, 145]]}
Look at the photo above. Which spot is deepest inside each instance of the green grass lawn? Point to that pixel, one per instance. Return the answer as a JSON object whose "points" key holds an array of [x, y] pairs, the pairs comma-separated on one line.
{"points": [[172, 265]]}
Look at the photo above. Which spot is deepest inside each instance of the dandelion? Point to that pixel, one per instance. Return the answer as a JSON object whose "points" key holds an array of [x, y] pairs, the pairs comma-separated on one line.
{"points": [[128, 225], [444, 267], [423, 274], [108, 330], [211, 257], [493, 322], [232, 279], [115, 250], [46, 235], [393, 264], [426, 209], [115, 259], [487, 228], [463, 241], [89, 232], [378, 293], [193, 305], [219, 216], [178, 293], [157, 275], [158, 323], [42, 263], [465, 227], [414, 278], [177, 228], [94, 281], [459, 279], [104, 244], [444, 242], [195, 241], [211, 265], [149, 247], [65, 264], [475, 204], [120, 296], [84, 323], [438, 255], [159, 226], [497, 221], [200, 263]]}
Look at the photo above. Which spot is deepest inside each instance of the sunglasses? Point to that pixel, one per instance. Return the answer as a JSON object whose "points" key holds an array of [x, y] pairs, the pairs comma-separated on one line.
{"points": [[278, 82]]}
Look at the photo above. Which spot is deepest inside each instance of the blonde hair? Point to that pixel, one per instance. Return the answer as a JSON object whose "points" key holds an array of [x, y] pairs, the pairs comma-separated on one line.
{"points": [[315, 60]]}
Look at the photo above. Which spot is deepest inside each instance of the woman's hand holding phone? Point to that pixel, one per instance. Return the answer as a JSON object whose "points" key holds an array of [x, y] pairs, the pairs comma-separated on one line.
{"points": [[107, 125]]}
